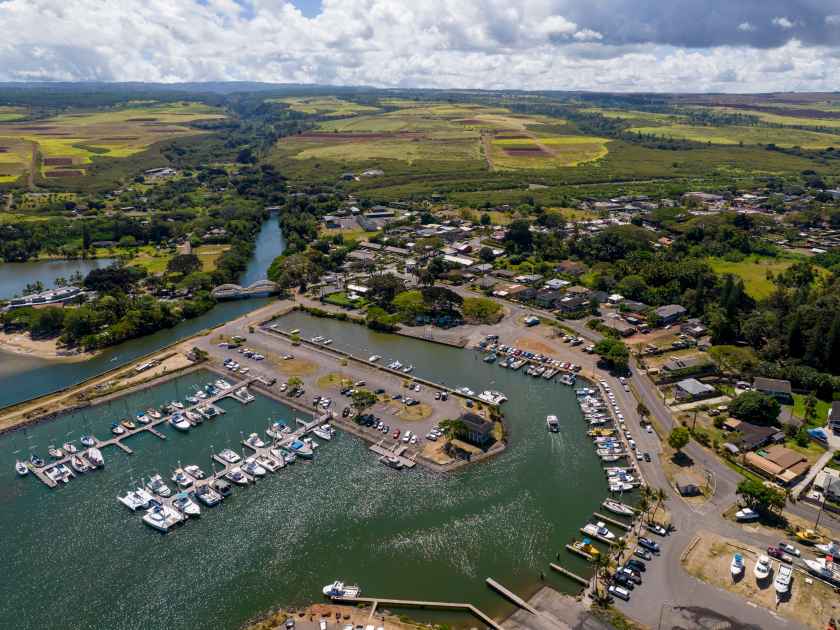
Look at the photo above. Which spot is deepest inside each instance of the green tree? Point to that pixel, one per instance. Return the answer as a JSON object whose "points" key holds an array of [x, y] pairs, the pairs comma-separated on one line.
{"points": [[453, 429], [409, 304], [481, 310], [753, 406], [485, 219], [294, 384], [519, 238], [613, 352], [486, 254], [811, 407], [678, 438], [185, 264], [362, 399], [760, 497]]}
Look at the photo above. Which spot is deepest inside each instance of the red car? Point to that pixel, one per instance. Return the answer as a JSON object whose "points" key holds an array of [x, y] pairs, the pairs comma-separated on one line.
{"points": [[775, 552], [396, 434]]}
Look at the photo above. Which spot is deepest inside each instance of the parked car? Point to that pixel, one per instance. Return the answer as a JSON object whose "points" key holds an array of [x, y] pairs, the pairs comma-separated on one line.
{"points": [[785, 546], [647, 457], [648, 544], [633, 576], [643, 554], [620, 592], [657, 529], [637, 565]]}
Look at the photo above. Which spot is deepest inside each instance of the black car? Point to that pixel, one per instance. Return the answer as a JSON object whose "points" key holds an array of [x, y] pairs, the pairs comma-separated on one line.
{"points": [[632, 575], [647, 457], [622, 580], [396, 397], [636, 565], [379, 391], [648, 544]]}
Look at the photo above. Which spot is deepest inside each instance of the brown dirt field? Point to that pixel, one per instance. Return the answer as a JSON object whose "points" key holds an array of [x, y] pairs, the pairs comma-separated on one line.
{"points": [[472, 121], [64, 174], [526, 152], [58, 161], [533, 345], [4, 149]]}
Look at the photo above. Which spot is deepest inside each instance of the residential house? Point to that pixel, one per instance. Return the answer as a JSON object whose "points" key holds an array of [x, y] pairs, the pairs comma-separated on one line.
{"points": [[692, 389], [693, 327], [556, 283], [777, 388], [670, 313], [781, 464], [572, 303], [571, 268], [578, 290], [547, 299], [516, 292], [623, 328], [753, 436], [479, 429]]}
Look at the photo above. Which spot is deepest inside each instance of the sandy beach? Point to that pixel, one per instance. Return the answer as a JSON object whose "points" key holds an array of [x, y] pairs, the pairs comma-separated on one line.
{"points": [[48, 349]]}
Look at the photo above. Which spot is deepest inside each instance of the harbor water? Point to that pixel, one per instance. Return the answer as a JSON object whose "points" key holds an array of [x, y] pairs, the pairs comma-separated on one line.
{"points": [[76, 553], [15, 276], [34, 377]]}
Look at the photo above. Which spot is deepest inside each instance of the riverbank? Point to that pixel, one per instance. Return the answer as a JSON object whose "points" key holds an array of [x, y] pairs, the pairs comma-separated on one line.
{"points": [[310, 617], [48, 349]]}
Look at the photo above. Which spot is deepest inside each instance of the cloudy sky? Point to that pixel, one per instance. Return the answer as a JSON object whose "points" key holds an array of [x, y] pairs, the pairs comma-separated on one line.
{"points": [[621, 45]]}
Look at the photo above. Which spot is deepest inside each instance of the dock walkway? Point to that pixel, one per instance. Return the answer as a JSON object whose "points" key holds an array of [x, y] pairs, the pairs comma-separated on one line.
{"points": [[410, 603]]}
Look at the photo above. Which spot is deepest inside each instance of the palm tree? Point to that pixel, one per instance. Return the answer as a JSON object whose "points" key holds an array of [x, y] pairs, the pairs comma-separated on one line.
{"points": [[644, 506], [452, 429], [619, 548], [660, 496], [602, 571]]}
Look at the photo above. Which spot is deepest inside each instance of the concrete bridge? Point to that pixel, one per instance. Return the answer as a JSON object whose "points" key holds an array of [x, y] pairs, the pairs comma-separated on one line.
{"points": [[235, 292]]}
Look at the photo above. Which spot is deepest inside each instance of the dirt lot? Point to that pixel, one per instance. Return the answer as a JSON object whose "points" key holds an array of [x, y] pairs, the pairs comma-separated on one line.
{"points": [[809, 604], [309, 618]]}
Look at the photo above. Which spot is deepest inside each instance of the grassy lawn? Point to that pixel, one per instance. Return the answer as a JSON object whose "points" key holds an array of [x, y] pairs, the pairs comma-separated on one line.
{"points": [[753, 271], [798, 409], [341, 299], [779, 119], [576, 214], [356, 234], [324, 105], [209, 255]]}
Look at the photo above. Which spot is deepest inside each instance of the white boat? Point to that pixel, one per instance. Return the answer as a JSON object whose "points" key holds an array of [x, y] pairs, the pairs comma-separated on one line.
{"points": [[208, 496], [87, 440], [493, 397], [325, 432], [736, 567], [829, 549], [137, 499], [193, 417], [311, 443], [78, 464], [395, 365], [21, 468], [277, 429], [143, 418], [762, 568], [69, 448], [157, 486], [616, 507], [746, 514], [374, 358], [340, 590], [235, 475], [408, 369], [181, 478], [184, 504], [552, 423], [598, 529], [253, 468], [94, 456], [269, 463], [231, 457], [222, 384], [783, 579], [254, 441], [194, 471], [823, 569], [301, 449], [154, 413], [162, 518], [117, 429], [180, 422], [177, 404]]}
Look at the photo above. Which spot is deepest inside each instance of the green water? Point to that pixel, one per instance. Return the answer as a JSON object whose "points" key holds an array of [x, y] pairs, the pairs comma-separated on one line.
{"points": [[75, 553], [24, 377]]}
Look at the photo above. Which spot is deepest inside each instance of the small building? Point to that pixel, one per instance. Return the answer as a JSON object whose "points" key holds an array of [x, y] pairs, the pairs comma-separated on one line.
{"points": [[670, 313], [572, 303], [459, 261], [620, 326], [777, 388], [753, 436], [479, 430], [778, 463], [686, 486], [692, 389], [556, 284], [547, 299], [615, 298], [693, 327]]}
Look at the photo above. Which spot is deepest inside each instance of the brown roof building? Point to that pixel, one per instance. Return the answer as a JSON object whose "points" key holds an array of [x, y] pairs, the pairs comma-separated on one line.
{"points": [[778, 463]]}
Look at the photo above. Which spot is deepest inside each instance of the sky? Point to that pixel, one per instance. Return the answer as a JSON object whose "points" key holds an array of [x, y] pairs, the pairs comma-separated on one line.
{"points": [[597, 45]]}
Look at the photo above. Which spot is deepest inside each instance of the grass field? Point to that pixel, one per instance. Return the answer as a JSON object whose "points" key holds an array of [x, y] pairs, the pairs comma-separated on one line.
{"points": [[15, 156], [753, 271], [781, 119], [324, 105], [67, 143], [632, 114], [10, 114], [734, 134]]}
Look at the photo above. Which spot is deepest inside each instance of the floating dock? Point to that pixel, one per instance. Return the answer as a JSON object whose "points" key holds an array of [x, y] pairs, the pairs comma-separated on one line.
{"points": [[612, 521]]}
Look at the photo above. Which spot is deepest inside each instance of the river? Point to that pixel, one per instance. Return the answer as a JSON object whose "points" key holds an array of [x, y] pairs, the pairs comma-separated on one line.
{"points": [[15, 276], [412, 534], [24, 377]]}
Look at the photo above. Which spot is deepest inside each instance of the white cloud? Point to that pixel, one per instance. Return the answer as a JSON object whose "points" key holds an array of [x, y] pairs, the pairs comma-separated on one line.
{"points": [[529, 44], [832, 20]]}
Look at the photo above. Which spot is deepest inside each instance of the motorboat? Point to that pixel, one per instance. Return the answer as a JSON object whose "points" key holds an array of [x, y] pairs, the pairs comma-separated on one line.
{"points": [[87, 440], [55, 453], [277, 429], [325, 432], [374, 358], [340, 590], [222, 487], [230, 456], [36, 461], [117, 429], [184, 504], [21, 468], [762, 568], [823, 568], [143, 418], [191, 399], [492, 397], [783, 579], [829, 549], [395, 365], [128, 424], [154, 414], [269, 463], [281, 455], [254, 441], [310, 443], [94, 456], [177, 404], [157, 486], [58, 473], [208, 496], [236, 476], [137, 499], [78, 464], [616, 507], [736, 567], [69, 448], [162, 517], [181, 478], [552, 423], [193, 417], [745, 515], [253, 468], [598, 529], [180, 422], [200, 394], [222, 384], [585, 546], [194, 471], [301, 449], [408, 369], [490, 358], [809, 536]]}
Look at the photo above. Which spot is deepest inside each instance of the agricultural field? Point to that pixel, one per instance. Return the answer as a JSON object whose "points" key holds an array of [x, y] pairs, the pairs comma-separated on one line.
{"points": [[651, 118], [324, 106], [736, 134], [11, 114], [790, 120], [753, 271], [15, 157], [67, 144]]}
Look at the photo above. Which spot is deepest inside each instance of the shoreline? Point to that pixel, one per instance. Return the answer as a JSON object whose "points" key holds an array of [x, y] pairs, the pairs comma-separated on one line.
{"points": [[22, 344]]}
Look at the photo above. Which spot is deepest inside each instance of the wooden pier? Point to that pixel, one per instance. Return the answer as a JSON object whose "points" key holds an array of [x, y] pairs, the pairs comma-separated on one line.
{"points": [[395, 452], [569, 574], [511, 596], [612, 521], [411, 603]]}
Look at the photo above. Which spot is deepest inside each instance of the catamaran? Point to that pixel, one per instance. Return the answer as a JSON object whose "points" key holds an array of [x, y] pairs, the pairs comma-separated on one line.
{"points": [[138, 498], [94, 456], [162, 517]]}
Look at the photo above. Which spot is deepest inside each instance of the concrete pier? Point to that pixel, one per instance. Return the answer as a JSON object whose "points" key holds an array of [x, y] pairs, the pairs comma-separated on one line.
{"points": [[511, 596], [612, 521], [569, 574]]}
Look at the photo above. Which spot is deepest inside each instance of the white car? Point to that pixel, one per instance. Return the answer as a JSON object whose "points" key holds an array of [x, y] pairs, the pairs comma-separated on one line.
{"points": [[649, 429], [620, 592]]}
